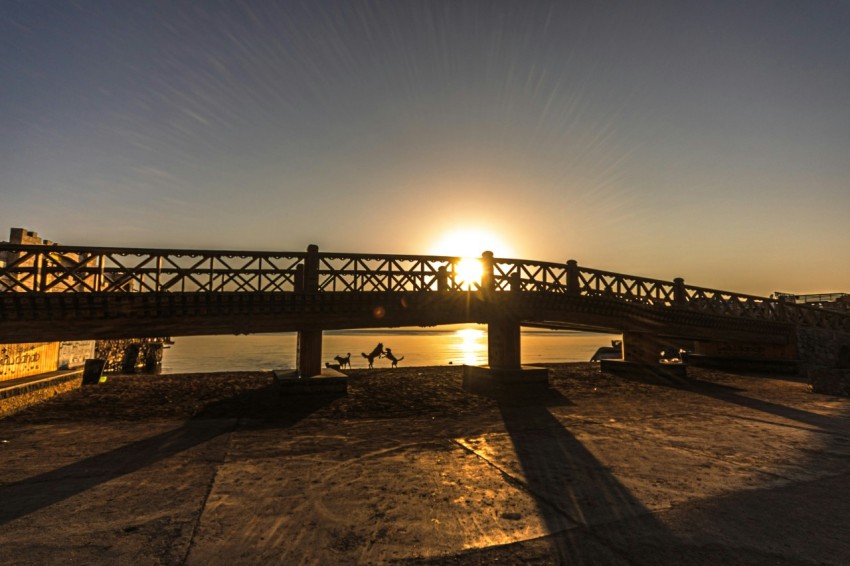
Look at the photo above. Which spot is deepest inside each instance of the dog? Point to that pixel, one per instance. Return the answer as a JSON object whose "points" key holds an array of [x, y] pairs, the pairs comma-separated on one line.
{"points": [[378, 352], [346, 361], [389, 355]]}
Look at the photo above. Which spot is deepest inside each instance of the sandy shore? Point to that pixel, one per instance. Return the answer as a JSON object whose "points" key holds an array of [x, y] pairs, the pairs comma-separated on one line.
{"points": [[218, 469]]}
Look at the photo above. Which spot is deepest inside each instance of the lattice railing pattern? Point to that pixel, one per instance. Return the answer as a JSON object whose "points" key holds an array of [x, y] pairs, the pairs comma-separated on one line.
{"points": [[66, 269], [57, 269], [628, 288], [365, 273], [734, 304], [529, 275]]}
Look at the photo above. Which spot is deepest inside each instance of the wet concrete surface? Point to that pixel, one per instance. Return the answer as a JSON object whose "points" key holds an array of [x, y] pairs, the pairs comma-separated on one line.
{"points": [[409, 468]]}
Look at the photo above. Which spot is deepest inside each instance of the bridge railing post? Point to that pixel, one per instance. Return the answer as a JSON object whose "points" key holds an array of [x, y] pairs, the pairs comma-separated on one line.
{"points": [[516, 282], [298, 283], [488, 279], [40, 283], [442, 278], [572, 277], [680, 294], [311, 268]]}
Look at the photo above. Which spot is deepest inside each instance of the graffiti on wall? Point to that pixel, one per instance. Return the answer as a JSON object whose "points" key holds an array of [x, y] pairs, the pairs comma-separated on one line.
{"points": [[23, 360]]}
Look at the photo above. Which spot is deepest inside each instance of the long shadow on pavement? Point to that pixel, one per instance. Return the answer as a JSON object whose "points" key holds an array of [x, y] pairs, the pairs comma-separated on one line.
{"points": [[568, 481], [37, 492], [575, 493], [738, 397]]}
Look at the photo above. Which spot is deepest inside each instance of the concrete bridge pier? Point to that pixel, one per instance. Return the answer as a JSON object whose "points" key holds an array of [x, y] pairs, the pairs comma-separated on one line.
{"points": [[503, 345], [642, 347], [308, 359], [641, 358], [309, 355], [504, 367]]}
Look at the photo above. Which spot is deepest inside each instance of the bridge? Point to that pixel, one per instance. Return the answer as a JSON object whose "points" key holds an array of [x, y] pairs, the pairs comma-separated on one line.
{"points": [[53, 292]]}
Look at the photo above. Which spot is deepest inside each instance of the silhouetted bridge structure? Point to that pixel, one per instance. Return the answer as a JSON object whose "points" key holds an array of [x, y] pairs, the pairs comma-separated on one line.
{"points": [[50, 293]]}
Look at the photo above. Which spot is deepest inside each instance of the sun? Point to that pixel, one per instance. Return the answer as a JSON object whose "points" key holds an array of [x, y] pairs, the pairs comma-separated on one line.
{"points": [[468, 272], [470, 242]]}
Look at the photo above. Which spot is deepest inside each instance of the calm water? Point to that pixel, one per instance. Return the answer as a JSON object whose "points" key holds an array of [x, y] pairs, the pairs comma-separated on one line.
{"points": [[420, 347]]}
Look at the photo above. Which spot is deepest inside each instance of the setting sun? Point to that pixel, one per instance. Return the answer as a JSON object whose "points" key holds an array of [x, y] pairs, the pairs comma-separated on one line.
{"points": [[470, 242], [468, 271]]}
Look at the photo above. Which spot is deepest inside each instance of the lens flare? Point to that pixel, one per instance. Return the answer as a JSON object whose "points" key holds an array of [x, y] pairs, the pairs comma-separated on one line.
{"points": [[468, 272]]}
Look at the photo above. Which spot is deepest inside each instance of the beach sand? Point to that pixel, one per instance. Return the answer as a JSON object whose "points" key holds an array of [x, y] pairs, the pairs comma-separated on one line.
{"points": [[408, 467]]}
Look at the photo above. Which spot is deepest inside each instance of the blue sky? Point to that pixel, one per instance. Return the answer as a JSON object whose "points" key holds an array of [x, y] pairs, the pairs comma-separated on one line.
{"points": [[708, 140]]}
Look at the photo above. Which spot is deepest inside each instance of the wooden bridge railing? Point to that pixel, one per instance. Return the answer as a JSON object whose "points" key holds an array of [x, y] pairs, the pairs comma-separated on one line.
{"points": [[66, 269], [73, 269], [376, 272], [571, 279]]}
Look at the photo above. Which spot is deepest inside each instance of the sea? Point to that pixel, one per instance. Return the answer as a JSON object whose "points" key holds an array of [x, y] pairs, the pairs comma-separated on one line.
{"points": [[415, 346]]}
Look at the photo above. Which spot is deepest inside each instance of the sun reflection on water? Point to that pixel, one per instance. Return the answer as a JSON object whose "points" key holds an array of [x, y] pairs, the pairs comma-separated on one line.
{"points": [[473, 346]]}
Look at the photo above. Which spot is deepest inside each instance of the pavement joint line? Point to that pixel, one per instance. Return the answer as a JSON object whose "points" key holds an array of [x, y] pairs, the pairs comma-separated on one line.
{"points": [[521, 485], [202, 507]]}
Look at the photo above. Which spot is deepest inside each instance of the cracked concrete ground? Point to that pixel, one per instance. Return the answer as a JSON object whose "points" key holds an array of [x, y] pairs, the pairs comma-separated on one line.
{"points": [[217, 469]]}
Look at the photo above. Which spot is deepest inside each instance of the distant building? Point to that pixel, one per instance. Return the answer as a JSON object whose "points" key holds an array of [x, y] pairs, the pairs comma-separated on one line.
{"points": [[829, 301]]}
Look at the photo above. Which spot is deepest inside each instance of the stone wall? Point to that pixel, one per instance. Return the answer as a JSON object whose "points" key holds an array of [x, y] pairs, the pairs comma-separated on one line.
{"points": [[825, 355], [830, 381], [13, 401], [820, 348]]}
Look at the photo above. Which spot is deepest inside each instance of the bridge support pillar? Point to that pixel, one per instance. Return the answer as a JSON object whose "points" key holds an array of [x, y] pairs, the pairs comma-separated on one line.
{"points": [[641, 347], [641, 359], [309, 356], [309, 353], [504, 370], [503, 344]]}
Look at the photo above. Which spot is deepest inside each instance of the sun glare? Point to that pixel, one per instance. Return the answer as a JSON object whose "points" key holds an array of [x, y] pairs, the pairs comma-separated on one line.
{"points": [[468, 272], [470, 242]]}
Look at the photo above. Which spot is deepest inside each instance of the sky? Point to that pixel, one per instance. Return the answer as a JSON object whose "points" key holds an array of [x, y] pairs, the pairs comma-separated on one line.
{"points": [[703, 140]]}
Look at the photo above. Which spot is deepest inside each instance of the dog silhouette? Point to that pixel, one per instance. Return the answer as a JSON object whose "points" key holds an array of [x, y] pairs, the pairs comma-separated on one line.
{"points": [[376, 353], [389, 355], [346, 361]]}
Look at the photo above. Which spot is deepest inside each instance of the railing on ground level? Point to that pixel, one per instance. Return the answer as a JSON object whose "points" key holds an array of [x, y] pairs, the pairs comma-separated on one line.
{"points": [[72, 269]]}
